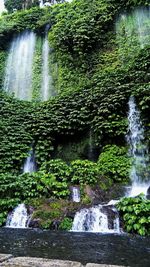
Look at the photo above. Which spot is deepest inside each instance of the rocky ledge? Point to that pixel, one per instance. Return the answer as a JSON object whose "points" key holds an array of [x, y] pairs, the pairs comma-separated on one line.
{"points": [[7, 260]]}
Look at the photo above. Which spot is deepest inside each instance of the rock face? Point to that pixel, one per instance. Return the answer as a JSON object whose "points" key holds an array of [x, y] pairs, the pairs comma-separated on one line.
{"points": [[39, 262], [7, 260], [4, 257], [148, 193]]}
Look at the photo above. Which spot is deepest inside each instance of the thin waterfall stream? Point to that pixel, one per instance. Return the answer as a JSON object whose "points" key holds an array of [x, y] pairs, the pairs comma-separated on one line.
{"points": [[133, 33], [47, 87], [19, 217], [30, 164], [138, 151], [76, 194]]}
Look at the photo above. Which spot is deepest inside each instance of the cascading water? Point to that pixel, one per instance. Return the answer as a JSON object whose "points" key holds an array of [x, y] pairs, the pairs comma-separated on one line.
{"points": [[30, 165], [18, 218], [133, 33], [138, 151], [18, 74], [47, 81], [96, 219], [142, 19], [90, 149], [75, 194], [2, 6], [41, 3]]}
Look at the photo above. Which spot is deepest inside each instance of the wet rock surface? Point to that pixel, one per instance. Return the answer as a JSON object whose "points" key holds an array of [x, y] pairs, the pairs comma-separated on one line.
{"points": [[7, 260]]}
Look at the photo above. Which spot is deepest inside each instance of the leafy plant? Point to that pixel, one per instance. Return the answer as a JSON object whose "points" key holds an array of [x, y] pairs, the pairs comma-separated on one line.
{"points": [[135, 214], [114, 163], [66, 224], [84, 172]]}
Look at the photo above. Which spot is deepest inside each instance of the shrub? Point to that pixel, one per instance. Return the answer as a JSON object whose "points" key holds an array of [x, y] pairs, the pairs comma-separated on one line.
{"points": [[135, 213], [84, 172], [66, 224], [114, 163]]}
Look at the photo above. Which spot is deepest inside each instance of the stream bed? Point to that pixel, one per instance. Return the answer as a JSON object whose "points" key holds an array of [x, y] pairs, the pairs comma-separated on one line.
{"points": [[83, 247]]}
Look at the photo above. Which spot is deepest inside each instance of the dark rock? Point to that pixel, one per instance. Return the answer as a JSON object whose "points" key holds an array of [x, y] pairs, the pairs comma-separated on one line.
{"points": [[34, 223], [30, 210], [148, 193], [55, 225], [111, 213]]}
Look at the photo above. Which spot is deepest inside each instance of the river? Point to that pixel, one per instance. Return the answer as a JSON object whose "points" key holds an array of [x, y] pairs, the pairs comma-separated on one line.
{"points": [[84, 247]]}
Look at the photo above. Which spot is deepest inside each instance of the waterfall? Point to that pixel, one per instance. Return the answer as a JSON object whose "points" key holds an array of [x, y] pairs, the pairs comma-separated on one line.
{"points": [[2, 6], [30, 165], [41, 3], [138, 150], [75, 194], [90, 149], [142, 21], [96, 219], [47, 81], [133, 33], [18, 218], [18, 74]]}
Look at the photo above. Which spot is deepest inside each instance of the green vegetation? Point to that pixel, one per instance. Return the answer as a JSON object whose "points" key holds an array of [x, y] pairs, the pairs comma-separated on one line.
{"points": [[135, 213], [13, 5], [114, 163], [66, 224], [54, 214], [84, 172]]}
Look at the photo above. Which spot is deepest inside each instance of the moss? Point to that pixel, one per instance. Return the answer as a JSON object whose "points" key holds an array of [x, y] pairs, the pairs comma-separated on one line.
{"points": [[54, 214]]}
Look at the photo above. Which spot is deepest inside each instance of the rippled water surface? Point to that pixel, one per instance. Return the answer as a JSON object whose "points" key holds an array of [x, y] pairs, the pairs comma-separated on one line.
{"points": [[83, 247]]}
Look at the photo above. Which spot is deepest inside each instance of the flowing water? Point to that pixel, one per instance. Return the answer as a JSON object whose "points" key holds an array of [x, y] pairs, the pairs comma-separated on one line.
{"points": [[83, 247], [142, 22], [18, 75], [133, 33], [30, 164], [19, 72], [90, 149], [18, 218], [100, 219], [76, 194], [41, 3], [47, 81], [138, 151], [2, 7]]}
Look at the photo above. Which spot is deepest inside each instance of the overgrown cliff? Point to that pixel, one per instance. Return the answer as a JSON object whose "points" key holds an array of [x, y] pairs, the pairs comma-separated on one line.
{"points": [[95, 77]]}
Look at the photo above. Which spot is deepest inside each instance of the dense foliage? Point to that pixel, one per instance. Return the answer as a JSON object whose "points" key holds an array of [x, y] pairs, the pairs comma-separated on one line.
{"points": [[114, 163], [135, 213]]}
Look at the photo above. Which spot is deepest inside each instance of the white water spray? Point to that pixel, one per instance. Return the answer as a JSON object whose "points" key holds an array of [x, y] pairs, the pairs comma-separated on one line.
{"points": [[18, 74], [47, 81], [133, 33], [142, 20], [30, 165], [75, 194], [41, 3], [138, 151], [95, 220], [2, 6], [18, 218]]}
